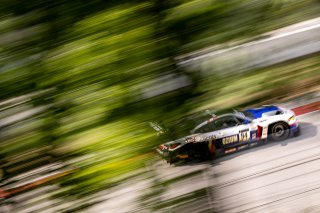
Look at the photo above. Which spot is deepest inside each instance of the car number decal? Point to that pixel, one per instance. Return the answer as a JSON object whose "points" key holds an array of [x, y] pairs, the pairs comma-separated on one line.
{"points": [[244, 136]]}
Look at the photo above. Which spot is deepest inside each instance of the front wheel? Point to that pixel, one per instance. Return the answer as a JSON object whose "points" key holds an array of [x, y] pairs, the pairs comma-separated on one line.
{"points": [[279, 131]]}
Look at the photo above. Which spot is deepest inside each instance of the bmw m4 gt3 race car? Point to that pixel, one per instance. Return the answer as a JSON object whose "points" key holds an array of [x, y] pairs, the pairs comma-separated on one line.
{"points": [[231, 132]]}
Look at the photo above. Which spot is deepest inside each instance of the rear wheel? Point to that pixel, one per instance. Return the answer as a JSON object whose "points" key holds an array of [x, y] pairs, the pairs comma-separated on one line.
{"points": [[279, 131], [200, 151], [205, 153]]}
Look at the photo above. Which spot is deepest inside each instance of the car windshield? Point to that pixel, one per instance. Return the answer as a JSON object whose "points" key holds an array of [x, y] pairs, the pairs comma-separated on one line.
{"points": [[218, 123], [248, 114]]}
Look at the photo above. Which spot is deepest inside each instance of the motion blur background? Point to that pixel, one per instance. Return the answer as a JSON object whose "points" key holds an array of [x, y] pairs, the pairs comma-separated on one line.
{"points": [[81, 82]]}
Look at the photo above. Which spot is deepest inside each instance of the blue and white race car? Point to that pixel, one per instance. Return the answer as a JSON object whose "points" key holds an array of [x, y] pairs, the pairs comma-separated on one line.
{"points": [[231, 132]]}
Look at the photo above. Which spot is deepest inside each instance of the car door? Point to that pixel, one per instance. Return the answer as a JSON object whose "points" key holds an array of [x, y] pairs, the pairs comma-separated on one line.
{"points": [[232, 131]]}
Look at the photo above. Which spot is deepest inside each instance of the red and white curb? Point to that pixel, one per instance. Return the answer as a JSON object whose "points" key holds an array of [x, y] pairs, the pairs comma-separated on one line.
{"points": [[305, 109]]}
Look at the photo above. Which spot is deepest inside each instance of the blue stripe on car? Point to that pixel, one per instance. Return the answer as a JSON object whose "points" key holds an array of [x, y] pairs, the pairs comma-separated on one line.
{"points": [[257, 112]]}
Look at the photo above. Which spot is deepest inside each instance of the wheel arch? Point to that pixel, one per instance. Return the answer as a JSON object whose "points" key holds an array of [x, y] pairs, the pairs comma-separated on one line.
{"points": [[275, 122]]}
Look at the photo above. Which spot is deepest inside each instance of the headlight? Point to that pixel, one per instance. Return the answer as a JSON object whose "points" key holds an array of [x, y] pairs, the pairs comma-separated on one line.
{"points": [[292, 120]]}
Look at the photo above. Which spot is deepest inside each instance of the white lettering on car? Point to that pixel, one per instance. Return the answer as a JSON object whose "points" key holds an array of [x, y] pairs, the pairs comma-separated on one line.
{"points": [[230, 140]]}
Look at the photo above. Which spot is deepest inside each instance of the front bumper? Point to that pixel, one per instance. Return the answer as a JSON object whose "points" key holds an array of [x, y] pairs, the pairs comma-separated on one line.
{"points": [[295, 128]]}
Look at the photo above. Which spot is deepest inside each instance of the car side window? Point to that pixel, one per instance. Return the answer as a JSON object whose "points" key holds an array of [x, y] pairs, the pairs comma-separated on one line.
{"points": [[226, 122], [240, 120], [205, 128]]}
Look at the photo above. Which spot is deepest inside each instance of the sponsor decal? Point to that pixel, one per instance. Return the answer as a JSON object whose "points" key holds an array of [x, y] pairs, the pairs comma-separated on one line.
{"points": [[230, 140], [208, 138], [264, 132], [253, 144], [254, 136], [190, 139], [203, 138], [230, 150], [243, 146], [197, 138], [183, 156]]}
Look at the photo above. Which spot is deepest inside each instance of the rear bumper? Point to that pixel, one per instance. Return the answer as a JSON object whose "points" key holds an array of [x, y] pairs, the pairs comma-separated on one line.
{"points": [[160, 152], [163, 154], [163, 151], [171, 156]]}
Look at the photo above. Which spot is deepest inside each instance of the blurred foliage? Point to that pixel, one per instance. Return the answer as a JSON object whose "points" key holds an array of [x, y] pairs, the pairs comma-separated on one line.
{"points": [[73, 75]]}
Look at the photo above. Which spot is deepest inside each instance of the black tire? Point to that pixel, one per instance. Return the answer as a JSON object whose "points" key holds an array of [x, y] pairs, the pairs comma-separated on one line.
{"points": [[279, 131]]}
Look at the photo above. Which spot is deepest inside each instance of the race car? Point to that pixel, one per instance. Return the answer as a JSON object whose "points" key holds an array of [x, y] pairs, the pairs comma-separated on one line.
{"points": [[230, 132]]}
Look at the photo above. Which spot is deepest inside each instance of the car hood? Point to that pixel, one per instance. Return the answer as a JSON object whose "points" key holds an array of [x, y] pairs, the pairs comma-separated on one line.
{"points": [[258, 112]]}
